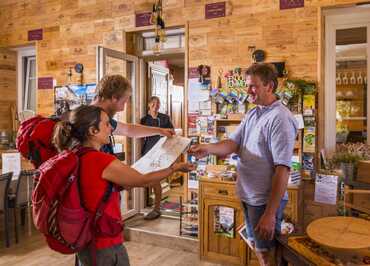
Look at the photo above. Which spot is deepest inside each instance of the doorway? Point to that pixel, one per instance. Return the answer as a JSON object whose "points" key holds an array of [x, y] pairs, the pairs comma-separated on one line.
{"points": [[347, 72], [150, 74], [162, 74], [165, 80]]}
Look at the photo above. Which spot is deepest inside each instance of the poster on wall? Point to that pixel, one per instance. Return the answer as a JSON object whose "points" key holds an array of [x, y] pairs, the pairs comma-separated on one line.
{"points": [[198, 93], [192, 124], [224, 221], [69, 97], [309, 139], [309, 104]]}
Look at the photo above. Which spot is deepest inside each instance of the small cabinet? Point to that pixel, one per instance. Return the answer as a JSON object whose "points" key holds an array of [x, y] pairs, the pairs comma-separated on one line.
{"points": [[293, 211], [213, 246]]}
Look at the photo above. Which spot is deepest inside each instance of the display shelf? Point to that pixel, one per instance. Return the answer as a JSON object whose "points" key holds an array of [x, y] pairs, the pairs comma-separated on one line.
{"points": [[353, 118], [189, 222]]}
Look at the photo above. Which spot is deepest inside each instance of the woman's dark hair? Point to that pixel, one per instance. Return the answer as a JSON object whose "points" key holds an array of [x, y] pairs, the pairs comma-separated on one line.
{"points": [[75, 129]]}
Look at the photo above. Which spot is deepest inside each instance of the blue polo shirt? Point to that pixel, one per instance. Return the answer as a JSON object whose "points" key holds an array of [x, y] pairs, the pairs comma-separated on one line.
{"points": [[266, 138], [108, 148]]}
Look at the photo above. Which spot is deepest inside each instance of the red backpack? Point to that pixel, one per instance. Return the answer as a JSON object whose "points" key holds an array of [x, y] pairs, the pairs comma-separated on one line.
{"points": [[58, 209], [34, 139]]}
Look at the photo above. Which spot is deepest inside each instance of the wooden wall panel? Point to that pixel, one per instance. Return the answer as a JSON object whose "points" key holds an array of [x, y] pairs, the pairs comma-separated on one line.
{"points": [[72, 30], [8, 87]]}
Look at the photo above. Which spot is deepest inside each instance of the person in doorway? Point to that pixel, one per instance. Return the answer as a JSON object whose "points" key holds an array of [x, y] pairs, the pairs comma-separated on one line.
{"points": [[154, 119], [112, 93], [264, 141], [89, 126]]}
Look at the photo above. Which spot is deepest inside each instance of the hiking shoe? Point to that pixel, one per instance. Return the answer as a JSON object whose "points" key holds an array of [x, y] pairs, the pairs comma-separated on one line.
{"points": [[154, 214]]}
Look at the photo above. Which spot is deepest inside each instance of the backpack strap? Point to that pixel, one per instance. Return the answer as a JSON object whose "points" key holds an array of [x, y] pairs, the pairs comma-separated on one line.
{"points": [[99, 213]]}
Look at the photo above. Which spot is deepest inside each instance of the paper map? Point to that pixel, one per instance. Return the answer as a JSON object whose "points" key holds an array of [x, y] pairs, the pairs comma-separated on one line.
{"points": [[162, 155]]}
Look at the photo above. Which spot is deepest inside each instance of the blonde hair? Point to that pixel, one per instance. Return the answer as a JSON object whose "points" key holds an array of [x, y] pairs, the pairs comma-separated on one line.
{"points": [[112, 86]]}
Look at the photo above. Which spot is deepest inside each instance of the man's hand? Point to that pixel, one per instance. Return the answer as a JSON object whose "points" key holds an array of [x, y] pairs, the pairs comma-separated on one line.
{"points": [[199, 150], [167, 132], [266, 226], [183, 167]]}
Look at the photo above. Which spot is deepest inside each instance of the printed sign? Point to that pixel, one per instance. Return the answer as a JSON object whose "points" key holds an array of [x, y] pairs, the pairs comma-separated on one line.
{"points": [[11, 162], [35, 35], [143, 19], [287, 4], [193, 73], [215, 10], [326, 188], [45, 83]]}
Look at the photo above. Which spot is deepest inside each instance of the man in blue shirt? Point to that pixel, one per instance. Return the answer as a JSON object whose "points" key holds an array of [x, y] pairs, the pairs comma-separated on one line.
{"points": [[112, 93], [264, 141]]}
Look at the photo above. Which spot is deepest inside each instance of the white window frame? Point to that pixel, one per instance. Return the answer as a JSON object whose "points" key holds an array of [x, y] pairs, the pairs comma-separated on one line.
{"points": [[343, 18], [22, 53]]}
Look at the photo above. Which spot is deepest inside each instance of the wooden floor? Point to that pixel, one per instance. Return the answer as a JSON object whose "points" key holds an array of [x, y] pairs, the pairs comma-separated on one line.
{"points": [[33, 251]]}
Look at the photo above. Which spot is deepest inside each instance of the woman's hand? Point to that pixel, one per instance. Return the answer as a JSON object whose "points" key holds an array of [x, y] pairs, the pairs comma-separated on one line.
{"points": [[167, 132], [183, 167]]}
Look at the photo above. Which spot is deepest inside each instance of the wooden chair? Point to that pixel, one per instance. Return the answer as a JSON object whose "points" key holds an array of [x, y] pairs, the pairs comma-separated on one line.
{"points": [[5, 180], [21, 198], [348, 199]]}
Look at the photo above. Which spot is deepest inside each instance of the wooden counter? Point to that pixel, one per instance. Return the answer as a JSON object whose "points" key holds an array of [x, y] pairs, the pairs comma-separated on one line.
{"points": [[218, 248], [215, 247]]}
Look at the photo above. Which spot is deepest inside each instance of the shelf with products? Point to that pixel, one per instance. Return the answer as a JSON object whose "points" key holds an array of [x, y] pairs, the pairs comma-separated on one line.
{"points": [[351, 103], [300, 97], [353, 118], [189, 225]]}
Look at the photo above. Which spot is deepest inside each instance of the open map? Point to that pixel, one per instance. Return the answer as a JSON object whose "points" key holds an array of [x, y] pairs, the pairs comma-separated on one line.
{"points": [[162, 155]]}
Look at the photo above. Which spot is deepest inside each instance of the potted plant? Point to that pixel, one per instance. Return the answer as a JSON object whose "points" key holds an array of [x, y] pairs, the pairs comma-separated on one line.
{"points": [[347, 156]]}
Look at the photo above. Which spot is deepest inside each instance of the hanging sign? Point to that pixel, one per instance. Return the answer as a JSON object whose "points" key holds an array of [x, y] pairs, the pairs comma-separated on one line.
{"points": [[193, 72], [35, 35], [143, 19], [45, 83], [287, 4], [215, 10]]}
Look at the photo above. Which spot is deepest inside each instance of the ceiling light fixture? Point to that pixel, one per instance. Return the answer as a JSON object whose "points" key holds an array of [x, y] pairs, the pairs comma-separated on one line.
{"points": [[159, 30]]}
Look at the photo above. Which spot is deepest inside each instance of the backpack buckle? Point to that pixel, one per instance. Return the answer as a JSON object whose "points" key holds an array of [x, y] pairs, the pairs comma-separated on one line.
{"points": [[71, 178]]}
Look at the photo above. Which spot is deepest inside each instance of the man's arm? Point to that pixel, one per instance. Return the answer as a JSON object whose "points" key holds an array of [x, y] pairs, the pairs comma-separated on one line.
{"points": [[221, 148], [140, 131], [266, 224]]}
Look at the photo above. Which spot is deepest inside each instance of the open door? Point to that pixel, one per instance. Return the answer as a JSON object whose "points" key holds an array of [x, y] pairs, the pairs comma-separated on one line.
{"points": [[159, 79], [111, 62]]}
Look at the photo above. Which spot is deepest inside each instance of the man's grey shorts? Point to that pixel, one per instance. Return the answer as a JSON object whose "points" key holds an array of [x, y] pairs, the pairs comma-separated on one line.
{"points": [[252, 216], [113, 256]]}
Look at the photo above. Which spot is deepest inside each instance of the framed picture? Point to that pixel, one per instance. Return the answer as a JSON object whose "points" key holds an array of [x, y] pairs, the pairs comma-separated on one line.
{"points": [[224, 221], [69, 97]]}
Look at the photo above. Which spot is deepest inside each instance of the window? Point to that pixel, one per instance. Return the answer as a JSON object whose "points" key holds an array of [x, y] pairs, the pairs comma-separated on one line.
{"points": [[26, 79], [347, 72], [175, 40]]}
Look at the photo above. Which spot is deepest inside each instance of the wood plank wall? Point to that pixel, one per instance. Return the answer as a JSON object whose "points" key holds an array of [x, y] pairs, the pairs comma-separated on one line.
{"points": [[8, 88], [73, 28]]}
